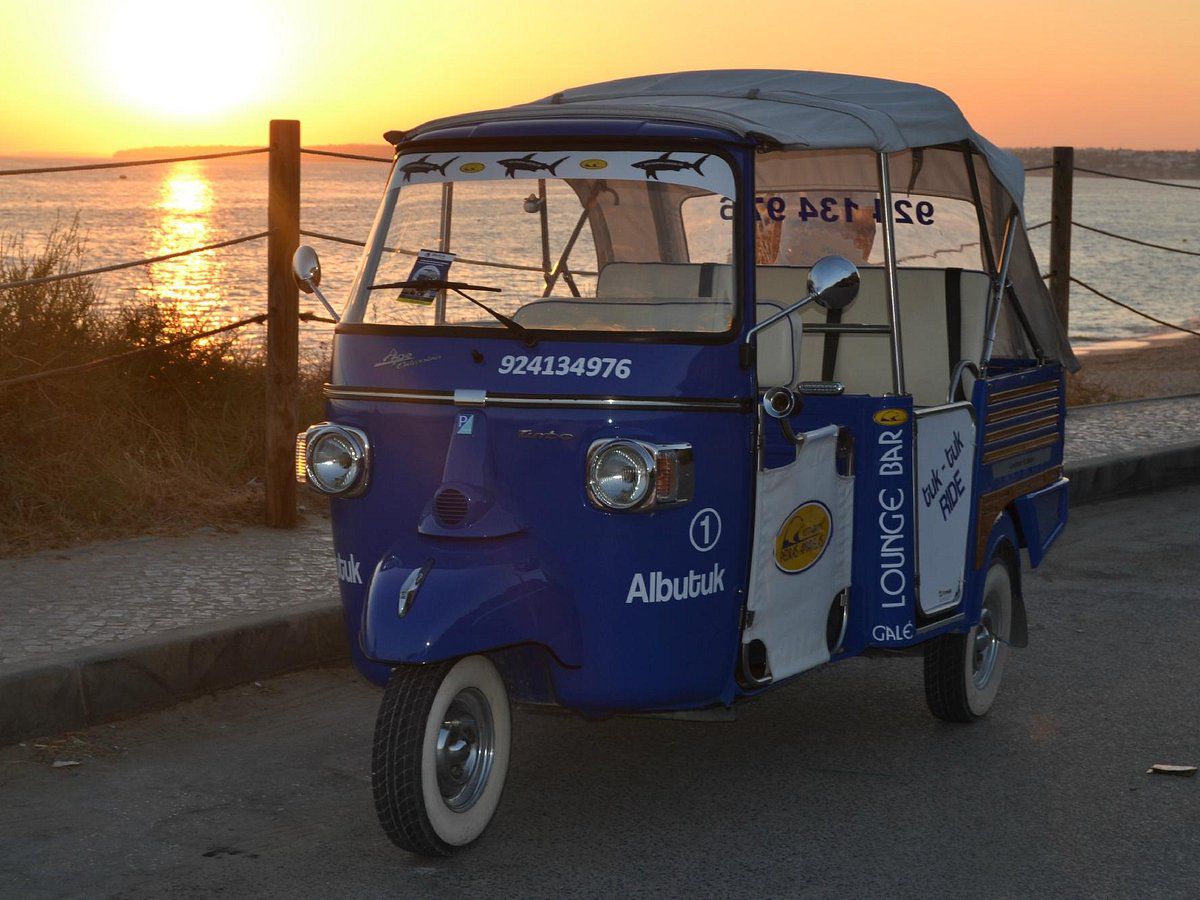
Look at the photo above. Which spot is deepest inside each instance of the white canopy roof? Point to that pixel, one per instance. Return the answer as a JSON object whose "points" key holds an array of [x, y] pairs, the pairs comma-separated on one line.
{"points": [[798, 110]]}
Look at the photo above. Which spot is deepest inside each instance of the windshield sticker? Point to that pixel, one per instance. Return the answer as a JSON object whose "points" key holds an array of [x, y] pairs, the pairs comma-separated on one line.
{"points": [[430, 265], [423, 166], [701, 170], [774, 208], [585, 366], [527, 163], [664, 163]]}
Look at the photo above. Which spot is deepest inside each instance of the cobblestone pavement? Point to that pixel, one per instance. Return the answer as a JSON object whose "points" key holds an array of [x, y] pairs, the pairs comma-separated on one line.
{"points": [[1106, 428], [62, 600]]}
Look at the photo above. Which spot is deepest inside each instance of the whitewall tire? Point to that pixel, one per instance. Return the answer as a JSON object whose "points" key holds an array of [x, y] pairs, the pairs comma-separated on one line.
{"points": [[963, 671], [441, 753]]}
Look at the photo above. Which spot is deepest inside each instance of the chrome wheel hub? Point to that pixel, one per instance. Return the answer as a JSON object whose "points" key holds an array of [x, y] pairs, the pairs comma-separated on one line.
{"points": [[465, 749], [985, 646]]}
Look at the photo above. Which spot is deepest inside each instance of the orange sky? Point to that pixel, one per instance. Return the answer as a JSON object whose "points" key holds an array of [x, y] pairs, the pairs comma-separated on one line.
{"points": [[94, 76]]}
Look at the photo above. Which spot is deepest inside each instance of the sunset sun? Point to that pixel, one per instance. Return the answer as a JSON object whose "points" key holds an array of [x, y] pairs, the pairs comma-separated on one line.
{"points": [[182, 60]]}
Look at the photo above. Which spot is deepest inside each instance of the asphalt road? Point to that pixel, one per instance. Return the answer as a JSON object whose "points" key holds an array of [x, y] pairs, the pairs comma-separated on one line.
{"points": [[841, 784]]}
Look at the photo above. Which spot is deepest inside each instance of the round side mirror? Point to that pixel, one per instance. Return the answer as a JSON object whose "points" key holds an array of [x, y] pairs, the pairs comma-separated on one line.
{"points": [[833, 282], [307, 268]]}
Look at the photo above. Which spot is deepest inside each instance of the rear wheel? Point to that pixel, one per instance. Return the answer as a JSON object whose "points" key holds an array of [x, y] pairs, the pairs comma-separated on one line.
{"points": [[441, 754], [963, 671]]}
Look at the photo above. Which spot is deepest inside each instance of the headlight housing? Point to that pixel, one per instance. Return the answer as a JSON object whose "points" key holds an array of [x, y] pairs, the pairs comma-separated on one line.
{"points": [[628, 475], [334, 459]]}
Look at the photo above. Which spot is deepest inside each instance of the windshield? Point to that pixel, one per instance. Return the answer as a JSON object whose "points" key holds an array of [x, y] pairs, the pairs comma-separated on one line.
{"points": [[568, 240]]}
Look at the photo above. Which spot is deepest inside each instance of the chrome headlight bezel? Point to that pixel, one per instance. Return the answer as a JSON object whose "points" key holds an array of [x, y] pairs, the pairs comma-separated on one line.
{"points": [[668, 472], [359, 447]]}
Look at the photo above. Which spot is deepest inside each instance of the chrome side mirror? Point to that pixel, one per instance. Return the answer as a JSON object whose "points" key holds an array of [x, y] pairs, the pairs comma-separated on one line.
{"points": [[833, 282], [307, 268]]}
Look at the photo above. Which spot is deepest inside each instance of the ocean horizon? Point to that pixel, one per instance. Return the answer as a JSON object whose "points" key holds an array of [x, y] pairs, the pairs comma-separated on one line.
{"points": [[138, 212]]}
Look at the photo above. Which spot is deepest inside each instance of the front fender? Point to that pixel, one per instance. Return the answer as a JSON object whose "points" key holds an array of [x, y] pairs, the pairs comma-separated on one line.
{"points": [[478, 595]]}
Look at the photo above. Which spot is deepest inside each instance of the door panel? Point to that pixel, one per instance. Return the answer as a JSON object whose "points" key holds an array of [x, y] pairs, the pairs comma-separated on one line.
{"points": [[945, 469], [803, 531]]}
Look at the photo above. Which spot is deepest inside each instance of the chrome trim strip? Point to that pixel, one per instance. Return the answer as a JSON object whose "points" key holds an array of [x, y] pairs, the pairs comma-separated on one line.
{"points": [[942, 623], [470, 398], [389, 395]]}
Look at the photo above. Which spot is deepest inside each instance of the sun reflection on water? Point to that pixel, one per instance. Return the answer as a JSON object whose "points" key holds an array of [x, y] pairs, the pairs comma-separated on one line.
{"points": [[181, 219]]}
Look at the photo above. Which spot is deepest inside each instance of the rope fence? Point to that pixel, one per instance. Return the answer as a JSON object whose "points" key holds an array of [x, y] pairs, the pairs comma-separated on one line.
{"points": [[1134, 310], [125, 164], [130, 354], [1186, 187], [139, 351], [1121, 237], [336, 155], [83, 273]]}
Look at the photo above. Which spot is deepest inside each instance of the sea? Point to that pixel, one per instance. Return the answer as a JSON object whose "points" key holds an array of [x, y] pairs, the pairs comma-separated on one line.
{"points": [[145, 211]]}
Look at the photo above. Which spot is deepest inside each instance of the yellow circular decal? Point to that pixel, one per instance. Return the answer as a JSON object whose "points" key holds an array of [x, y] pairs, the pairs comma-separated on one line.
{"points": [[803, 538], [593, 164], [471, 168], [890, 417]]}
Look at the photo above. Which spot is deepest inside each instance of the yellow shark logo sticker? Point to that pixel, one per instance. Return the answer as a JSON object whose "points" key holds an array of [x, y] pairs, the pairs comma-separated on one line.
{"points": [[890, 417], [802, 539]]}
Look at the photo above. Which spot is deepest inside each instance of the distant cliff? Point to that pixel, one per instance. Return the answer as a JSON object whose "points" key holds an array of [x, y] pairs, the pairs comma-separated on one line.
{"points": [[1171, 165]]}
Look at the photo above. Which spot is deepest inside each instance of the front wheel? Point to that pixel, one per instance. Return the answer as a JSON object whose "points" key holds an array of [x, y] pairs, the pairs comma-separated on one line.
{"points": [[963, 671], [441, 754]]}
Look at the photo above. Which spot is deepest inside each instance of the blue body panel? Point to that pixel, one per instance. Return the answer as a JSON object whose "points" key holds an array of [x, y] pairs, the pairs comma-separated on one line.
{"points": [[548, 582]]}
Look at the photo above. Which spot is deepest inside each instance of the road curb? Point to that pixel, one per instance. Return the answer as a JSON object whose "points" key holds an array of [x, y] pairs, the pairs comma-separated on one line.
{"points": [[81, 688], [1122, 474]]}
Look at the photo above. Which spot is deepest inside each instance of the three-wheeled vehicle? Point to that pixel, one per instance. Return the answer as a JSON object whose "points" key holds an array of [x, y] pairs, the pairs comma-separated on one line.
{"points": [[652, 395]]}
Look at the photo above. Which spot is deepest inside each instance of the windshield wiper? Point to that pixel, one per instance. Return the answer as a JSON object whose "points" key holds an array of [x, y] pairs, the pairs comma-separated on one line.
{"points": [[457, 286]]}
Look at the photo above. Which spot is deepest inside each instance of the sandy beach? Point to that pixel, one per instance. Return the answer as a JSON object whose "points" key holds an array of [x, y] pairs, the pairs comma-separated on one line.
{"points": [[1161, 365]]}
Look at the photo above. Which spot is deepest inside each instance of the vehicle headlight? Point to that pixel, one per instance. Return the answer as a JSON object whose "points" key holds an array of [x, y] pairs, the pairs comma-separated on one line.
{"points": [[625, 475], [336, 459]]}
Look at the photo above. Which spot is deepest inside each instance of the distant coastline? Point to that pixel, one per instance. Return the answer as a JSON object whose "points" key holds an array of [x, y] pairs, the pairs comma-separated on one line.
{"points": [[1171, 165]]}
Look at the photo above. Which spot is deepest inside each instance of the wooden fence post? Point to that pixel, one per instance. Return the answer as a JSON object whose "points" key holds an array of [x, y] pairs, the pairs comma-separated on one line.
{"points": [[283, 326], [1060, 231]]}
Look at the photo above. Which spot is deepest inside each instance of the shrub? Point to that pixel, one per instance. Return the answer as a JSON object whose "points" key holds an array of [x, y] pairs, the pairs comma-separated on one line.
{"points": [[163, 441]]}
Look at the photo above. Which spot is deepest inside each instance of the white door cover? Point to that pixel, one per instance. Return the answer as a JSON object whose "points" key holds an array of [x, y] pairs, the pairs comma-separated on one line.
{"points": [[803, 530], [945, 465]]}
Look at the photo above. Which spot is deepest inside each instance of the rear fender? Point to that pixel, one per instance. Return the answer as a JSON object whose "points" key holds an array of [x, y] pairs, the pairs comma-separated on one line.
{"points": [[1004, 541], [476, 596]]}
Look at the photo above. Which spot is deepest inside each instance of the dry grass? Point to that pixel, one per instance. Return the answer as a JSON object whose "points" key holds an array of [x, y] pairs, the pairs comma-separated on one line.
{"points": [[160, 443]]}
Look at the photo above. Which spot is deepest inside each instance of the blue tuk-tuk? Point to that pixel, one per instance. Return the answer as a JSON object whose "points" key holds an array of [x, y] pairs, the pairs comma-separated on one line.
{"points": [[652, 395]]}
